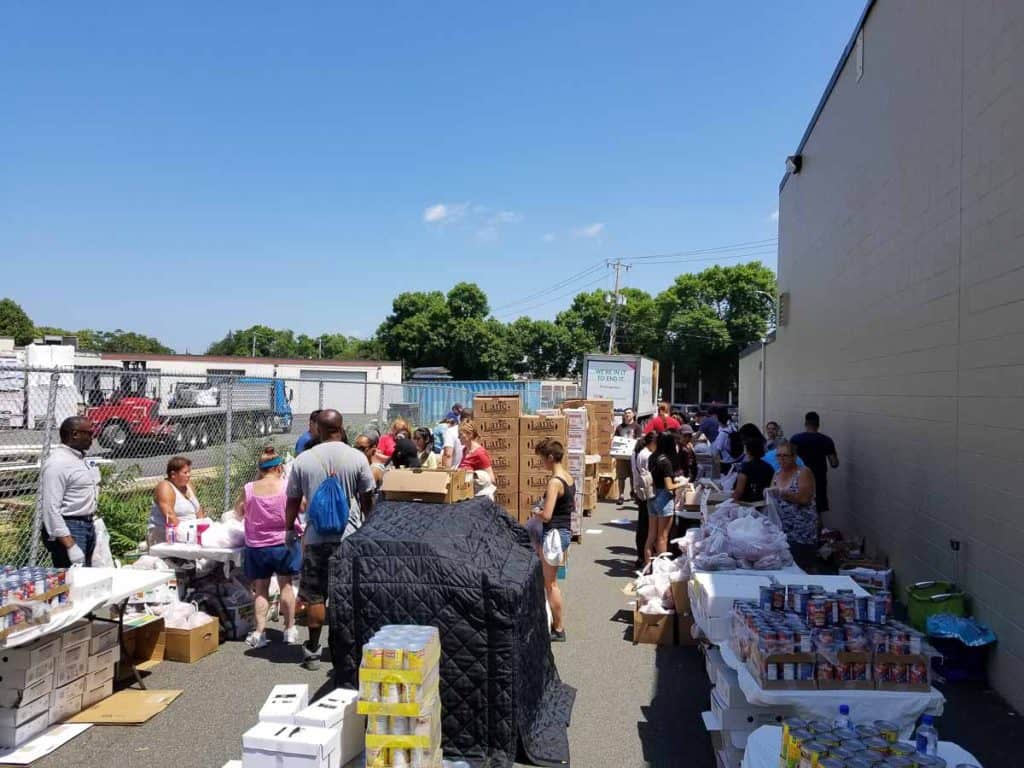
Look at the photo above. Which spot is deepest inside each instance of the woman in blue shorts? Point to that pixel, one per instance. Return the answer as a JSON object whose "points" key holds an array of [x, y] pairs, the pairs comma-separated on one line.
{"points": [[661, 510], [555, 512]]}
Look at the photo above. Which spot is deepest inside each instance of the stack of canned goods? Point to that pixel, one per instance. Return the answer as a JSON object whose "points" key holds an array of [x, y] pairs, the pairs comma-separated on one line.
{"points": [[817, 744], [398, 682], [826, 609], [20, 585]]}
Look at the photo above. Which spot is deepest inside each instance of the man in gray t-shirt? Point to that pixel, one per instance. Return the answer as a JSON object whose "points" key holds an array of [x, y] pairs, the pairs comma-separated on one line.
{"points": [[309, 470]]}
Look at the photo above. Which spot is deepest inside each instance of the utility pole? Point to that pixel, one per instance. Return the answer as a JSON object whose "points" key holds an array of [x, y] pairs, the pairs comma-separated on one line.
{"points": [[254, 345], [617, 265]]}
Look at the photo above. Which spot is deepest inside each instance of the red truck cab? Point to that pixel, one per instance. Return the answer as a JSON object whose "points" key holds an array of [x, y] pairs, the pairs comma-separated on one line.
{"points": [[121, 422]]}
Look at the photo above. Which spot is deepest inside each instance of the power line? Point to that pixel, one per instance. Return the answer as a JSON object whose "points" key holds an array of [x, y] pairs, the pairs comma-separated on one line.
{"points": [[701, 251], [573, 293], [552, 288], [730, 257]]}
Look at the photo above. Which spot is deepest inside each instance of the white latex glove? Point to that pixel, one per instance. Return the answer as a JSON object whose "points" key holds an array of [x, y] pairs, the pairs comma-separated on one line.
{"points": [[76, 555]]}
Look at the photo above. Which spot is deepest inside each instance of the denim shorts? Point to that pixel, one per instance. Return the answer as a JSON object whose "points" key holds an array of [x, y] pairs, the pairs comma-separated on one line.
{"points": [[264, 562], [663, 504]]}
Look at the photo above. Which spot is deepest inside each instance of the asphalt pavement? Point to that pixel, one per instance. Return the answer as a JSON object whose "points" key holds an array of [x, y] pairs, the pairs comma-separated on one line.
{"points": [[636, 705]]}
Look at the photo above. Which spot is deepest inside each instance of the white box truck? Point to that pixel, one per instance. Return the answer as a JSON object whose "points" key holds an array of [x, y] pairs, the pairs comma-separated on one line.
{"points": [[630, 381]]}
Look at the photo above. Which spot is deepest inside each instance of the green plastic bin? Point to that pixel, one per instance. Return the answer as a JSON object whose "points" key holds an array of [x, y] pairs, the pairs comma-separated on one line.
{"points": [[929, 597]]}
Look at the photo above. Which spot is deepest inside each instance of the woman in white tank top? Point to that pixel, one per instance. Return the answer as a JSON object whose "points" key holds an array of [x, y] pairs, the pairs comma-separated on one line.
{"points": [[174, 499]]}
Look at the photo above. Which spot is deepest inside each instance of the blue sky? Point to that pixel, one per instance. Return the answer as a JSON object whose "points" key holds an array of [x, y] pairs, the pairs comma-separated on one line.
{"points": [[182, 171]]}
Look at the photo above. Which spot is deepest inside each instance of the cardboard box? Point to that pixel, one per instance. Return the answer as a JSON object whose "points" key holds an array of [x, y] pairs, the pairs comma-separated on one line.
{"points": [[12, 717], [273, 745], [66, 701], [892, 658], [500, 445], [504, 462], [102, 660], [144, 644], [99, 677], [727, 687], [77, 633], [338, 710], [29, 655], [531, 464], [595, 405], [749, 717], [503, 427], [712, 662], [654, 629], [507, 482], [433, 486], [96, 694], [496, 406], [238, 622], [104, 637], [533, 485], [190, 645], [16, 736], [681, 598], [128, 707], [576, 463], [15, 697], [758, 663], [18, 679], [529, 444], [555, 428], [509, 501], [71, 664], [847, 657], [284, 702]]}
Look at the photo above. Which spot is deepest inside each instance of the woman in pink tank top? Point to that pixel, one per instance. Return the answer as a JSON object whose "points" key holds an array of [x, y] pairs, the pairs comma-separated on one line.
{"points": [[261, 505]]}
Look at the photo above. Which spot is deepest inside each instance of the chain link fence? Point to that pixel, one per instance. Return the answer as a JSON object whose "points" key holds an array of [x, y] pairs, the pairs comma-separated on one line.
{"points": [[142, 418]]}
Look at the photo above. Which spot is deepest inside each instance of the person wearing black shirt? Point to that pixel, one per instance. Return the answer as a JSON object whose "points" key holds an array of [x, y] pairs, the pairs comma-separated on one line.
{"points": [[661, 511], [755, 474], [555, 514], [818, 453]]}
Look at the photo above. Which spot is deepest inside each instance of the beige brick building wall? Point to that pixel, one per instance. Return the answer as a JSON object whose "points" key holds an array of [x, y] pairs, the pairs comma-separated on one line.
{"points": [[901, 248]]}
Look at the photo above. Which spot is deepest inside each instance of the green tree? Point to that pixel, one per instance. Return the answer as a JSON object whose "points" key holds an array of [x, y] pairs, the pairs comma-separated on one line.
{"points": [[416, 331], [542, 349], [636, 324], [15, 322], [269, 342], [128, 341]]}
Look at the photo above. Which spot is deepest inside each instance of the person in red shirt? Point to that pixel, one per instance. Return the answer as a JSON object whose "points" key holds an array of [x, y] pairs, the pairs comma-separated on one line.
{"points": [[662, 422], [386, 444], [474, 455]]}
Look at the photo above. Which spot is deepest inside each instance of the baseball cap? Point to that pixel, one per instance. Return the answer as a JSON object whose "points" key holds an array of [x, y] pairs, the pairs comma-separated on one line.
{"points": [[451, 416]]}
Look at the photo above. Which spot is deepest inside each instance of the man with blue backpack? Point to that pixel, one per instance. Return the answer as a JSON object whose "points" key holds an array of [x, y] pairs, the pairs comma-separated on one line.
{"points": [[337, 484]]}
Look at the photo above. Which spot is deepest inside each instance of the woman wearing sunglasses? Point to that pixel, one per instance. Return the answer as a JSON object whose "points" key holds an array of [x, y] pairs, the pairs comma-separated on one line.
{"points": [[793, 492]]}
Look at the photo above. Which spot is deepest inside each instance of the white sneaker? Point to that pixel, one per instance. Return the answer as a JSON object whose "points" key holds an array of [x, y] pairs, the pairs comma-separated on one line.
{"points": [[291, 636], [256, 640]]}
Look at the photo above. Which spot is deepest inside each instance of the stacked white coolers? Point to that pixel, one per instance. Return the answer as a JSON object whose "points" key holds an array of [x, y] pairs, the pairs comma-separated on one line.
{"points": [[399, 683], [292, 733], [576, 461]]}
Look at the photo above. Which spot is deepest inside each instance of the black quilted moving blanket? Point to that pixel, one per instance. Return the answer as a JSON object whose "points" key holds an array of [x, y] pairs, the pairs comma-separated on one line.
{"points": [[469, 570]]}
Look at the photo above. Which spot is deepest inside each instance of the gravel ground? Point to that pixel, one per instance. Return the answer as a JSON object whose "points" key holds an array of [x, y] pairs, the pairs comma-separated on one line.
{"points": [[636, 705]]}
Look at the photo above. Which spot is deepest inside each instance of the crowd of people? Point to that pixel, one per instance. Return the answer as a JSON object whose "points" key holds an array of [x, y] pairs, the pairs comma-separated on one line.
{"points": [[756, 467]]}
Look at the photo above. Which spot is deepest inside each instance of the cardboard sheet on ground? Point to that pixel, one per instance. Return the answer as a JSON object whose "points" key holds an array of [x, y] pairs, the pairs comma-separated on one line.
{"points": [[48, 741], [128, 707]]}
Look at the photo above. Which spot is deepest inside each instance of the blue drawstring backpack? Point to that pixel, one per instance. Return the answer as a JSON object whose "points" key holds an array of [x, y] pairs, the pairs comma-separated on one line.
{"points": [[328, 510]]}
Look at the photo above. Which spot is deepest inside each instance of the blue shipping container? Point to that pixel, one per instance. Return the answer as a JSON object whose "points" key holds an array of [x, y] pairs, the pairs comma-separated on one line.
{"points": [[435, 400]]}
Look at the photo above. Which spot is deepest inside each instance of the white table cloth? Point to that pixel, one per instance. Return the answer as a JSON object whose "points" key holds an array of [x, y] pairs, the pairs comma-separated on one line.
{"points": [[764, 745]]}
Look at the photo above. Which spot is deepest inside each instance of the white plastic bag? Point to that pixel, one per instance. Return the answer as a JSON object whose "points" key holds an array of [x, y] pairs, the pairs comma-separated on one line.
{"points": [[552, 548], [101, 555], [198, 618]]}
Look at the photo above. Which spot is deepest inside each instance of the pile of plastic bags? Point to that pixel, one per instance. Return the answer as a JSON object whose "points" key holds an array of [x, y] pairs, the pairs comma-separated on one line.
{"points": [[182, 615], [654, 586], [228, 532], [737, 537]]}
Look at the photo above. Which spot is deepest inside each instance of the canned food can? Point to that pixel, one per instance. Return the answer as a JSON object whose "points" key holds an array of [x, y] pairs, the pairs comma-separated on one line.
{"points": [[828, 739], [860, 762], [866, 732], [916, 641], [842, 753], [900, 749], [900, 673], [778, 597], [861, 607], [845, 734], [391, 693], [826, 669], [811, 754], [788, 671], [416, 656], [797, 738], [877, 612], [399, 726], [377, 724], [888, 731], [847, 609], [816, 608], [373, 656], [377, 757], [805, 671], [764, 601], [369, 690], [899, 761], [789, 725], [399, 758], [899, 642], [819, 726], [420, 758], [791, 593], [878, 746], [392, 658], [831, 762], [918, 673]]}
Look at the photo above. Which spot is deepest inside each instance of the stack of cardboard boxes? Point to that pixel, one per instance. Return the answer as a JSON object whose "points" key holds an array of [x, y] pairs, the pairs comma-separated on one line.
{"points": [[533, 477], [497, 421], [54, 678], [600, 425]]}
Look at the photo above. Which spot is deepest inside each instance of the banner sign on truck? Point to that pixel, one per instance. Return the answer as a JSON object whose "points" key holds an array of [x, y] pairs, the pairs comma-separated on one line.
{"points": [[612, 379]]}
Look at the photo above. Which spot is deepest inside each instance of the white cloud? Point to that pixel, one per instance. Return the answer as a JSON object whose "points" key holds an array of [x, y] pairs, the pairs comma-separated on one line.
{"points": [[549, 237], [444, 213], [590, 231], [774, 216]]}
